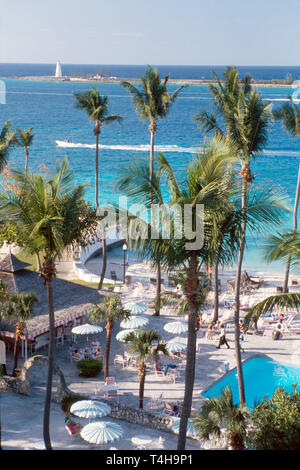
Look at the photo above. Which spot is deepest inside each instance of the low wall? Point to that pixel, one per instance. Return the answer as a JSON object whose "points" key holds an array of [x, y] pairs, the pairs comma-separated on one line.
{"points": [[91, 250]]}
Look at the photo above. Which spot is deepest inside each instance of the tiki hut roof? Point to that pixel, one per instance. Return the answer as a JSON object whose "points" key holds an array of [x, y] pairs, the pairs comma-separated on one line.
{"points": [[11, 264], [10, 282]]}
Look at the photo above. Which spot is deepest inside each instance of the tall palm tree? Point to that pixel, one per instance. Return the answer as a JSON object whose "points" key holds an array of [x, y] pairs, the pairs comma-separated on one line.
{"points": [[246, 118], [152, 102], [218, 413], [147, 344], [289, 114], [203, 184], [51, 211], [24, 139], [18, 307], [110, 310], [96, 107]]}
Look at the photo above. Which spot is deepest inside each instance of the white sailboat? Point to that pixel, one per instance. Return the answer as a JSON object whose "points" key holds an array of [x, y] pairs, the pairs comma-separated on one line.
{"points": [[58, 73]]}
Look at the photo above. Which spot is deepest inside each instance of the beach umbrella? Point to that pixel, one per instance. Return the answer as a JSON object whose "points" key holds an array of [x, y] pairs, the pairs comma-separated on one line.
{"points": [[123, 333], [87, 329], [135, 307], [175, 346], [90, 409], [134, 322], [102, 432], [176, 327]]}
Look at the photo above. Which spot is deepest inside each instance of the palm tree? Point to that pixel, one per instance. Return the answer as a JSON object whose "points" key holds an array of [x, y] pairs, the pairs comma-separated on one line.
{"points": [[203, 184], [96, 108], [52, 212], [246, 117], [7, 140], [24, 139], [147, 344], [289, 115], [218, 413], [280, 246], [152, 102], [18, 307], [110, 310]]}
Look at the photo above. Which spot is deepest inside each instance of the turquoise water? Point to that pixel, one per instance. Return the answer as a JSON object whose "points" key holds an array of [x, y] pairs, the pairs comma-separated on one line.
{"points": [[49, 107], [261, 377]]}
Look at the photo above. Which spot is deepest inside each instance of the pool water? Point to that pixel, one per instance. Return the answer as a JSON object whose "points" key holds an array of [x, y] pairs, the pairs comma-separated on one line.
{"points": [[261, 378]]}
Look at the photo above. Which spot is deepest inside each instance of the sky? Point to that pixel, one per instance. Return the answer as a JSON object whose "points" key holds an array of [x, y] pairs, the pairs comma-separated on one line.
{"points": [[160, 32]]}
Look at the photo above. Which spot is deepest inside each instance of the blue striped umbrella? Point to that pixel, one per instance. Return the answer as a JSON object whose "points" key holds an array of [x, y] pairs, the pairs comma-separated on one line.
{"points": [[90, 409], [102, 432], [135, 307]]}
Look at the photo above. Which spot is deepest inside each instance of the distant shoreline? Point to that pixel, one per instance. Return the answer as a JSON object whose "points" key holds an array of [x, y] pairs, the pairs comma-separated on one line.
{"points": [[257, 83]]}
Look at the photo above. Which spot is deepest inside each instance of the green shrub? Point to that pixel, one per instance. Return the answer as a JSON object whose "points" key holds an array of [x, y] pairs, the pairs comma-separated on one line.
{"points": [[68, 401], [89, 367], [1, 370], [277, 422]]}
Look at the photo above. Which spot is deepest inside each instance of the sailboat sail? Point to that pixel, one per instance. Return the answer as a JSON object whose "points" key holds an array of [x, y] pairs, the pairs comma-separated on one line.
{"points": [[58, 73]]}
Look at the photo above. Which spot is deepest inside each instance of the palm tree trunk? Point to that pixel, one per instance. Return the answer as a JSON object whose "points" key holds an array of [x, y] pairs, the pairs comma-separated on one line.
{"points": [[109, 327], [104, 262], [46, 424], [152, 129], [216, 287], [288, 263], [97, 167], [38, 262], [192, 287], [158, 291], [16, 353], [142, 374], [26, 160], [237, 294]]}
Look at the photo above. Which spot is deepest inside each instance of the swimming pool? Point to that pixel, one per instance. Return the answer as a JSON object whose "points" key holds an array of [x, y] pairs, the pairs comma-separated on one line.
{"points": [[261, 377]]}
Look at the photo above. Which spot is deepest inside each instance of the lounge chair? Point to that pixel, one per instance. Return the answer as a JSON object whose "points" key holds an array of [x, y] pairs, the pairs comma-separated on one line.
{"points": [[119, 359], [168, 409], [155, 403], [173, 374]]}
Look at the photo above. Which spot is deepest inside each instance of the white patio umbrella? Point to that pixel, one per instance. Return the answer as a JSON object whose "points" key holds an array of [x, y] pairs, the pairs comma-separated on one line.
{"points": [[87, 329], [135, 307], [123, 333], [175, 346], [102, 432], [90, 409], [176, 327], [134, 322]]}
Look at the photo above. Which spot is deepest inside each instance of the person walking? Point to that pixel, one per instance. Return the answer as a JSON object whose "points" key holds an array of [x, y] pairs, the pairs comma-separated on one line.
{"points": [[222, 339]]}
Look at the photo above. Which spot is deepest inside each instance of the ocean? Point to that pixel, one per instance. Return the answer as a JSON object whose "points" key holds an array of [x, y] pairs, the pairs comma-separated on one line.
{"points": [[49, 107]]}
